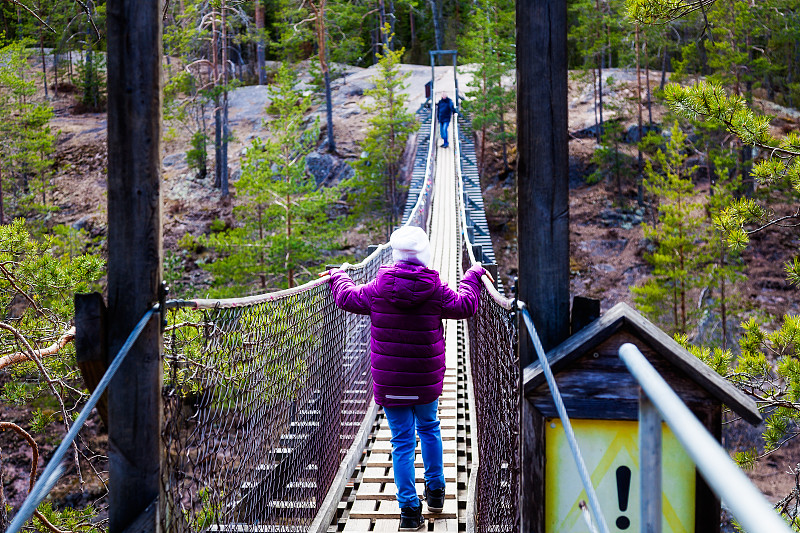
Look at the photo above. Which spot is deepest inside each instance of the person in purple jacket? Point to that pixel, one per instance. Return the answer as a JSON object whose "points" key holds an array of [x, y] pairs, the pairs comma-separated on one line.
{"points": [[406, 303]]}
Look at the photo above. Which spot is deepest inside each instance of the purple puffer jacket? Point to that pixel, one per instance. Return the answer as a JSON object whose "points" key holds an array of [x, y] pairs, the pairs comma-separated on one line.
{"points": [[407, 303]]}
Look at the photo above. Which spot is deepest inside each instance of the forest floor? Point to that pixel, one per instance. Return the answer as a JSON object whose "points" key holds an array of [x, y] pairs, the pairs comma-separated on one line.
{"points": [[607, 242]]}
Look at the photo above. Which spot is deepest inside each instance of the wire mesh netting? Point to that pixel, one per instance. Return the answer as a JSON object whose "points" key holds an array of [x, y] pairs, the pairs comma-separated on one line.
{"points": [[496, 383], [495, 380], [264, 397]]}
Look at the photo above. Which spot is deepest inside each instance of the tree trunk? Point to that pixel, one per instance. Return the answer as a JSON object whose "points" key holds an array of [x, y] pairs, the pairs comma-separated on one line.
{"points": [[382, 18], [319, 11], [640, 159], [647, 80], [262, 72], [600, 97], [664, 61], [702, 54], [723, 304], [217, 143], [225, 131], [2, 206], [41, 49], [437, 26]]}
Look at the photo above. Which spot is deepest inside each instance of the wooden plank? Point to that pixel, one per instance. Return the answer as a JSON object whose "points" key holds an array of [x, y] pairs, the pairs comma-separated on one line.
{"points": [[387, 525], [361, 524], [385, 459], [324, 518], [707, 505], [388, 491], [134, 52], [443, 524], [379, 475], [532, 489], [389, 509]]}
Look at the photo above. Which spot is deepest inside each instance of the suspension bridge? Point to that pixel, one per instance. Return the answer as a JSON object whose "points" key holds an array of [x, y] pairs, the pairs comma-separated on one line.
{"points": [[269, 423]]}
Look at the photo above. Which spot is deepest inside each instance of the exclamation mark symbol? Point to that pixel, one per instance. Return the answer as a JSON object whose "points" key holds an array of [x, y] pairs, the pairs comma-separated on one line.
{"points": [[623, 491]]}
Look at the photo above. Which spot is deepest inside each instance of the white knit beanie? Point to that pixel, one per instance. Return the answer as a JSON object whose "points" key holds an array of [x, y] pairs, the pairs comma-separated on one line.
{"points": [[410, 243]]}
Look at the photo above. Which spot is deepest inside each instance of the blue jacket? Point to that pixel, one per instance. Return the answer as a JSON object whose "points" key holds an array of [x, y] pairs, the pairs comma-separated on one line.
{"points": [[445, 109]]}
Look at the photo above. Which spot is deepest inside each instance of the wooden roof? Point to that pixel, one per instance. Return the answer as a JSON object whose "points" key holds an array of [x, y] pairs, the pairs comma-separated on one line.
{"points": [[622, 315]]}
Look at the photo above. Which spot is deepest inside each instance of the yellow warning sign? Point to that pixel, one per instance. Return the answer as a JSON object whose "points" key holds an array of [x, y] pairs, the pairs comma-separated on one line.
{"points": [[610, 449]]}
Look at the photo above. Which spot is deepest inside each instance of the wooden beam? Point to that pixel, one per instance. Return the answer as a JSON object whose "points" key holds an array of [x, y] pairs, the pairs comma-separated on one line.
{"points": [[542, 168], [91, 344], [134, 257]]}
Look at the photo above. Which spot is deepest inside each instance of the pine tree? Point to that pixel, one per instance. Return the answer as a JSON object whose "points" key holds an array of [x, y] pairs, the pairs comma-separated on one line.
{"points": [[376, 186], [27, 143], [490, 47], [284, 220], [676, 233]]}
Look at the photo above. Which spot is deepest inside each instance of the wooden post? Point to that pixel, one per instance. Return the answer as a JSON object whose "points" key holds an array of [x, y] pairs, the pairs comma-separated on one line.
{"points": [[542, 167], [91, 344], [542, 211], [134, 258], [584, 312], [649, 465]]}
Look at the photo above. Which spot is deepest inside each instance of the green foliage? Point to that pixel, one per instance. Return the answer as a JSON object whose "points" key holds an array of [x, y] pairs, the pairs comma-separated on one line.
{"points": [[69, 518], [676, 233], [27, 143], [375, 187], [197, 156], [92, 81], [284, 221], [490, 47]]}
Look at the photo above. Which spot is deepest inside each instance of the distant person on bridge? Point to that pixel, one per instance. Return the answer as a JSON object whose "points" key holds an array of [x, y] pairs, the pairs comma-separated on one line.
{"points": [[406, 303], [444, 111]]}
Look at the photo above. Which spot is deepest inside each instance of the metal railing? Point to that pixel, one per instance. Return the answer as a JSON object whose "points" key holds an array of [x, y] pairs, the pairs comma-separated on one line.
{"points": [[420, 214], [55, 468], [659, 402]]}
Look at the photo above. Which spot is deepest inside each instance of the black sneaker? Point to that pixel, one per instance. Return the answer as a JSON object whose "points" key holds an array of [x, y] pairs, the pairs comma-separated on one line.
{"points": [[411, 518], [435, 499]]}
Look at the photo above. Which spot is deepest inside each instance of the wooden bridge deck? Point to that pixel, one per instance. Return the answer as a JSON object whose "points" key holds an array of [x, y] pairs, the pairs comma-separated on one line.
{"points": [[370, 504]]}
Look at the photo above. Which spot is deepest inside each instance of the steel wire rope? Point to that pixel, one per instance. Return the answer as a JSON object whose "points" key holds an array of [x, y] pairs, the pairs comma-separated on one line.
{"points": [[55, 468], [594, 503]]}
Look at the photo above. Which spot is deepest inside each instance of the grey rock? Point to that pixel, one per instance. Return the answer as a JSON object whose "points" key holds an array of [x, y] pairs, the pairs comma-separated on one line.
{"points": [[634, 134], [81, 223], [327, 169], [178, 159]]}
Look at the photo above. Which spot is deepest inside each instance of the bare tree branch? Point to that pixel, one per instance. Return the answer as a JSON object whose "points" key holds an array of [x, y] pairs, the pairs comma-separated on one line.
{"points": [[53, 349]]}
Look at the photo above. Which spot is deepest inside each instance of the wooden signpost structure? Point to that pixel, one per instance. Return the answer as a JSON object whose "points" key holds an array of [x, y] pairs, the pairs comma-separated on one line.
{"points": [[602, 399], [134, 259]]}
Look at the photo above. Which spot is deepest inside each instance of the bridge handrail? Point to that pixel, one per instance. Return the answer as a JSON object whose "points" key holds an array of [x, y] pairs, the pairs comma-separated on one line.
{"points": [[228, 303], [591, 494], [726, 479], [425, 193], [55, 468], [505, 303]]}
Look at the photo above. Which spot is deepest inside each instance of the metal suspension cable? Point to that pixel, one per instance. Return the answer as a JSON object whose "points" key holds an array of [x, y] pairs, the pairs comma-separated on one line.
{"points": [[594, 503], [55, 468], [501, 300]]}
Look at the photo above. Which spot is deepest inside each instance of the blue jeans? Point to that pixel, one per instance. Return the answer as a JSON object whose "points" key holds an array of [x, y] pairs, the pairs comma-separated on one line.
{"points": [[401, 422], [443, 131]]}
